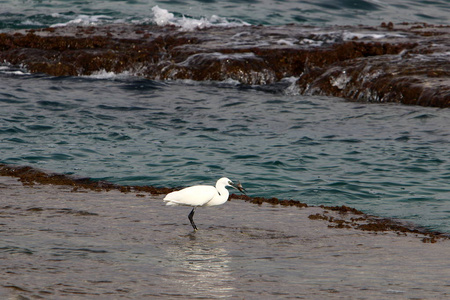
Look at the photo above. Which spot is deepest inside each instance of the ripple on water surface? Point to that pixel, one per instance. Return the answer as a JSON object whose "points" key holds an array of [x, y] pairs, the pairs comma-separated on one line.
{"points": [[112, 244], [314, 149]]}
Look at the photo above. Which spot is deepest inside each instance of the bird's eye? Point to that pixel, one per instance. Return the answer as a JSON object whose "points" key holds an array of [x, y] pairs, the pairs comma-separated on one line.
{"points": [[230, 183]]}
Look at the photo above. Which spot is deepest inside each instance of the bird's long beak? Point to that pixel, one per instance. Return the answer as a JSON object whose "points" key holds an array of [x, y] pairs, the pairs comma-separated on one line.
{"points": [[239, 187]]}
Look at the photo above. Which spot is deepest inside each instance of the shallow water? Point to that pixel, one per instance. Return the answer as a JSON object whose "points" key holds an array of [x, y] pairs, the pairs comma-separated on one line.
{"points": [[390, 160], [61, 244]]}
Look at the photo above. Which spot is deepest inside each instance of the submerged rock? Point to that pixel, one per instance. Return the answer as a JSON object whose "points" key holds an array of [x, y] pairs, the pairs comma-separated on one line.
{"points": [[344, 217], [405, 63]]}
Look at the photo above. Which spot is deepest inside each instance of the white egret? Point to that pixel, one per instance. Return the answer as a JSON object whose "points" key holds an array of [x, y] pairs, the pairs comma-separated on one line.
{"points": [[202, 195]]}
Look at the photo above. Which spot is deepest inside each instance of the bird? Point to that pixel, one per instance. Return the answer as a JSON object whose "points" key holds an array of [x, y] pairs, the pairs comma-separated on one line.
{"points": [[202, 195]]}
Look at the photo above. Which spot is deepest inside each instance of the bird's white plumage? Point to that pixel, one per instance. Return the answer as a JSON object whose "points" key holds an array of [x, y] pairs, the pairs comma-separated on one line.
{"points": [[197, 195], [200, 195]]}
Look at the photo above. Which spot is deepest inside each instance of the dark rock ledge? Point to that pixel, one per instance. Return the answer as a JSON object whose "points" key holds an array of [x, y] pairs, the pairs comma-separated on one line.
{"points": [[343, 217], [403, 63]]}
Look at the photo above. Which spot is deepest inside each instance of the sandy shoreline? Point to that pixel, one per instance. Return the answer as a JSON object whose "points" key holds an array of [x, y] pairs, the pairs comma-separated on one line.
{"points": [[60, 242]]}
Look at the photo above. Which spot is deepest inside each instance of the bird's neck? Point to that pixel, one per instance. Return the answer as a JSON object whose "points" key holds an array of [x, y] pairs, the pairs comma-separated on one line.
{"points": [[223, 194]]}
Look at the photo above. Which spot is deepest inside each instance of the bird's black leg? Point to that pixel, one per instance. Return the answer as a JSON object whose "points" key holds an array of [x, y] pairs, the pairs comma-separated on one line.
{"points": [[191, 216]]}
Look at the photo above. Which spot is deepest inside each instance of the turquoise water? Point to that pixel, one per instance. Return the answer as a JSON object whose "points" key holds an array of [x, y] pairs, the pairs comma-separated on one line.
{"points": [[388, 160], [29, 14]]}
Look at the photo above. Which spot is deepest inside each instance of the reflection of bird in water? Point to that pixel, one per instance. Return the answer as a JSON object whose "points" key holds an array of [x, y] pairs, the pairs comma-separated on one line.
{"points": [[199, 265], [202, 195]]}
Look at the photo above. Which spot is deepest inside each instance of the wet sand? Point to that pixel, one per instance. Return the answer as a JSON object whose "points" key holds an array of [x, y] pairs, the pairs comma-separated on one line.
{"points": [[61, 242]]}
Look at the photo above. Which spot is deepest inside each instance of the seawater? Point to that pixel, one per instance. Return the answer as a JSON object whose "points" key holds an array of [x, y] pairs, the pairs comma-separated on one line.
{"points": [[385, 159], [35, 14], [389, 160]]}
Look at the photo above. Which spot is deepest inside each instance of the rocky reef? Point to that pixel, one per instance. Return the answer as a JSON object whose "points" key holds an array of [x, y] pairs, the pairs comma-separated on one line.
{"points": [[402, 63], [344, 217]]}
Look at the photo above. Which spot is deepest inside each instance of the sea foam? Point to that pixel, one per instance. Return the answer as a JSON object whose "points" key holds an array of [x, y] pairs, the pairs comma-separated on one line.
{"points": [[163, 17], [158, 16], [85, 20]]}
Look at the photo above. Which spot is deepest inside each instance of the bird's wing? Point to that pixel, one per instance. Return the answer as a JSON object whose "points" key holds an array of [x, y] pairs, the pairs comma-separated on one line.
{"points": [[197, 195]]}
